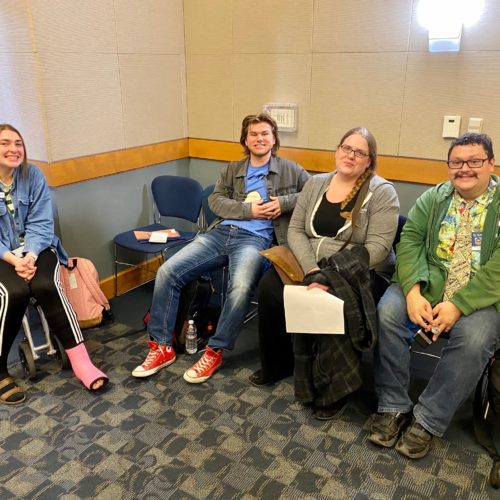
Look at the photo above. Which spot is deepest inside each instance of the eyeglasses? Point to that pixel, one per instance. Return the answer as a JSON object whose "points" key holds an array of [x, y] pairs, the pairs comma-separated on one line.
{"points": [[474, 163], [357, 152]]}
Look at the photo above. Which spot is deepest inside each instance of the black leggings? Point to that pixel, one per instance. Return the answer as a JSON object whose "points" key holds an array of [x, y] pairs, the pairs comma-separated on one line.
{"points": [[276, 347], [46, 288]]}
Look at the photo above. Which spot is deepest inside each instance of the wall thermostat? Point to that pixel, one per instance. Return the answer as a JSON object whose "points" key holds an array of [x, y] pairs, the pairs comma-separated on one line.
{"points": [[285, 115], [451, 127]]}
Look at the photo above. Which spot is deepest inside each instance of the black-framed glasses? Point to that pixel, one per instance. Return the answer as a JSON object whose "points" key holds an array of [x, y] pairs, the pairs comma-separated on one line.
{"points": [[474, 163], [357, 152]]}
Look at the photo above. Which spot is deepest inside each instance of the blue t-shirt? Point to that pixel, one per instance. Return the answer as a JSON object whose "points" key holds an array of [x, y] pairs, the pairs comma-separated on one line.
{"points": [[256, 181]]}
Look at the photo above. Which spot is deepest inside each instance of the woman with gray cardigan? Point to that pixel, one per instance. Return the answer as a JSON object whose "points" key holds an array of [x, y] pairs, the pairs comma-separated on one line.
{"points": [[320, 226]]}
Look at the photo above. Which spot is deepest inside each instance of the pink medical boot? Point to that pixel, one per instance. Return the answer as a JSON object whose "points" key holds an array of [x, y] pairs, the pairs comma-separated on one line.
{"points": [[84, 369]]}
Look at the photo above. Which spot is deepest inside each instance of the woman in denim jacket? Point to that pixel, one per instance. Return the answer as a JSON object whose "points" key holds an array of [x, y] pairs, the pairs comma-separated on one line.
{"points": [[30, 255]]}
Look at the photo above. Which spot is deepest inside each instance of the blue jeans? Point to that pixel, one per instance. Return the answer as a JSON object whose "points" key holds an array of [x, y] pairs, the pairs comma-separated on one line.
{"points": [[223, 245], [472, 342]]}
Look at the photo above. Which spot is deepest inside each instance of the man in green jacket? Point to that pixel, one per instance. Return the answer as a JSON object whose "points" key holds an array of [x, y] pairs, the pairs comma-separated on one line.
{"points": [[447, 281]]}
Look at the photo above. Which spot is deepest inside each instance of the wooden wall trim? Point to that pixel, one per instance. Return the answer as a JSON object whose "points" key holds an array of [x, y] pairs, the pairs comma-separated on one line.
{"points": [[131, 277], [415, 170], [65, 172], [61, 173]]}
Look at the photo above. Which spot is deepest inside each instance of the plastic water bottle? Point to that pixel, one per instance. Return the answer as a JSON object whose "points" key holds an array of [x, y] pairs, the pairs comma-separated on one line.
{"points": [[191, 338]]}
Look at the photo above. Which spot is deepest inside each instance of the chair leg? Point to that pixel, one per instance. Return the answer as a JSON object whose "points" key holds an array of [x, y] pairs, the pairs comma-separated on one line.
{"points": [[252, 313], [116, 273]]}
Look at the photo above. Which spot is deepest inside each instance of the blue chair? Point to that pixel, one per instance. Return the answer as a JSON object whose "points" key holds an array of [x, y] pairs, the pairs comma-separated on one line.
{"points": [[173, 196], [401, 223], [207, 215]]}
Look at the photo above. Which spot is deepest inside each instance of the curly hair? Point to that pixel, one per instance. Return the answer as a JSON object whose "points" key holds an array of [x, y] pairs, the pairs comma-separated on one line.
{"points": [[24, 164], [252, 120], [473, 138]]}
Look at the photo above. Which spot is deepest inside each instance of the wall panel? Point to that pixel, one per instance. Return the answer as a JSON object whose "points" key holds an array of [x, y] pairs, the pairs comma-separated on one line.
{"points": [[150, 26], [210, 96], [14, 27], [350, 90], [82, 97], [280, 26], [281, 78], [448, 84], [74, 26], [153, 95], [361, 26], [20, 103], [208, 27]]}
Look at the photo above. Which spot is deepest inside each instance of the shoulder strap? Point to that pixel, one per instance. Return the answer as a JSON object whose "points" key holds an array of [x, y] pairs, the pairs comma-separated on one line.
{"points": [[357, 207], [87, 270], [480, 408]]}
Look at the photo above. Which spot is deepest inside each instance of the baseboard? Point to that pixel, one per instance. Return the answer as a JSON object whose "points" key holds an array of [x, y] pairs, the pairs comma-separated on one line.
{"points": [[131, 277]]}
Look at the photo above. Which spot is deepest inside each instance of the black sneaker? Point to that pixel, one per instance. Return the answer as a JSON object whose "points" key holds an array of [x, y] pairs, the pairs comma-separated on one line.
{"points": [[259, 380], [415, 441], [329, 412], [387, 427]]}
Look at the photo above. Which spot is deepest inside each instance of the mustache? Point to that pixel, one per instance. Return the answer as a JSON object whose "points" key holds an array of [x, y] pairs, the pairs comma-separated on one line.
{"points": [[459, 175]]}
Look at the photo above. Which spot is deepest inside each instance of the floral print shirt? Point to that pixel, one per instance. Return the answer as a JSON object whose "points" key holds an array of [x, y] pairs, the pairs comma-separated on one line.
{"points": [[449, 225]]}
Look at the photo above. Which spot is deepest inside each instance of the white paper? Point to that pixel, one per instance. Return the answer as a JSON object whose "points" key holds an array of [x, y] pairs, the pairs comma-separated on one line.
{"points": [[158, 237], [313, 311]]}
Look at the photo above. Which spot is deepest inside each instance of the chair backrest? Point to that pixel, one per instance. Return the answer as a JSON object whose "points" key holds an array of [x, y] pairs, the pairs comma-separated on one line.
{"points": [[177, 196], [401, 223], [208, 215]]}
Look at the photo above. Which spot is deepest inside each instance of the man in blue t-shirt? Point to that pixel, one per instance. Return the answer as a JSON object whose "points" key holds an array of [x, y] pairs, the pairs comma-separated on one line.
{"points": [[253, 199]]}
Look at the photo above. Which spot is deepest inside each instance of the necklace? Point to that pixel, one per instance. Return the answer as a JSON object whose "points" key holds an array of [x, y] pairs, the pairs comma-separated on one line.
{"points": [[7, 184]]}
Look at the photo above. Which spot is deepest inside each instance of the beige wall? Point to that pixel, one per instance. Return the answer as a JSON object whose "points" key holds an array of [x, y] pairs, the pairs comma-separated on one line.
{"points": [[345, 63], [106, 75], [94, 75]]}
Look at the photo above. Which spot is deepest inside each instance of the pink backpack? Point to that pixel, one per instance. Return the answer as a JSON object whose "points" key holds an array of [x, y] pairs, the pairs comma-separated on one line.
{"points": [[81, 285]]}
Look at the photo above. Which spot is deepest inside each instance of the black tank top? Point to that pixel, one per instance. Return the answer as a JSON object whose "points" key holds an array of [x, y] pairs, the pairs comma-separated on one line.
{"points": [[327, 220]]}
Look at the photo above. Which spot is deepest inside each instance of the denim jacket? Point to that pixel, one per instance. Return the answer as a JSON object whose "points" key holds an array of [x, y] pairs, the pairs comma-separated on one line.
{"points": [[285, 180], [34, 217]]}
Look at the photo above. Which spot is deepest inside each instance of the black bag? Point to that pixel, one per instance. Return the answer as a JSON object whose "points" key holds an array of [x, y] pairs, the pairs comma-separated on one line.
{"points": [[194, 303], [487, 414]]}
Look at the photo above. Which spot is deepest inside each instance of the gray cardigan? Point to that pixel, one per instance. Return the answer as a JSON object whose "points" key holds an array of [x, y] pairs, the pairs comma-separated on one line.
{"points": [[375, 228]]}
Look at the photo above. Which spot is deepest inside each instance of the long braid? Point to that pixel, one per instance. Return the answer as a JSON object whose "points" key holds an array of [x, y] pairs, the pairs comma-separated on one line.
{"points": [[357, 186]]}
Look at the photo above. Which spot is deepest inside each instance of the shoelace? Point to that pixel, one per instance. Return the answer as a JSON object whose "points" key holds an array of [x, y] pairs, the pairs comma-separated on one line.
{"points": [[152, 355], [203, 363]]}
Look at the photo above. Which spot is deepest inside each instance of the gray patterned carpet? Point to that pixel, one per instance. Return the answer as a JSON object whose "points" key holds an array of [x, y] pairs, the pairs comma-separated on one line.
{"points": [[163, 438]]}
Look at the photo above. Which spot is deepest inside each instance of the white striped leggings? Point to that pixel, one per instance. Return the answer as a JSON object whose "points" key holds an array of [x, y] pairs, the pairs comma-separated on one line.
{"points": [[45, 287]]}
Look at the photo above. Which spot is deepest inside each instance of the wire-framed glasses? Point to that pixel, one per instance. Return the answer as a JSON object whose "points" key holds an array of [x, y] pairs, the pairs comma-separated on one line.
{"points": [[348, 150]]}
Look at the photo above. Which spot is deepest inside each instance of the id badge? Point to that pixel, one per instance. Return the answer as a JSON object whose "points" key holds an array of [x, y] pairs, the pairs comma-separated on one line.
{"points": [[477, 236]]}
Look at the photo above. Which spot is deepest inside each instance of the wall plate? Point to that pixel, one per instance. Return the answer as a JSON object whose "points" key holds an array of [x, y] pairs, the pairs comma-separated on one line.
{"points": [[285, 115]]}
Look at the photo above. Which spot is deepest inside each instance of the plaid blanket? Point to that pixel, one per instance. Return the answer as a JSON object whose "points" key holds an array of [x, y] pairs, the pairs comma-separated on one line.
{"points": [[328, 367]]}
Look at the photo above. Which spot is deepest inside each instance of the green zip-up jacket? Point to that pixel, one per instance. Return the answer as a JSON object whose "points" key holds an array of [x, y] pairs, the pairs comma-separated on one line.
{"points": [[417, 262]]}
